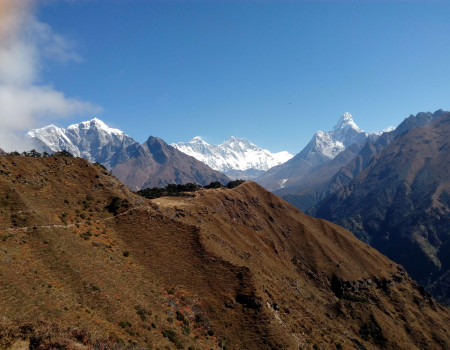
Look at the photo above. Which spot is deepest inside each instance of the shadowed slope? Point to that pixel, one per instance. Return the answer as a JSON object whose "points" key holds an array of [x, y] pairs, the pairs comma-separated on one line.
{"points": [[400, 204], [157, 164]]}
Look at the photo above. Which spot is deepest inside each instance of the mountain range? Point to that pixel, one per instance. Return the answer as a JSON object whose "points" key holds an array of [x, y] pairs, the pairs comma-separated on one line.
{"points": [[235, 157], [314, 180], [330, 177], [88, 264], [153, 163], [322, 157], [399, 203]]}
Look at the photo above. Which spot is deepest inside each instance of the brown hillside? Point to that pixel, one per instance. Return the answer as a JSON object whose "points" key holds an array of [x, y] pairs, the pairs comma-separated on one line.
{"points": [[85, 263], [400, 204]]}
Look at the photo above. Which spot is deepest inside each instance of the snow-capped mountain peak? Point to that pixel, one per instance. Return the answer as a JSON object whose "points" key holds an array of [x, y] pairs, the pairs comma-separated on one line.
{"points": [[235, 156], [346, 121], [93, 140], [97, 124], [330, 143], [199, 140]]}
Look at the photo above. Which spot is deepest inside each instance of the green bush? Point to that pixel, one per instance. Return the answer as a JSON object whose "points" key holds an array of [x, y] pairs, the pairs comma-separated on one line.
{"points": [[114, 206]]}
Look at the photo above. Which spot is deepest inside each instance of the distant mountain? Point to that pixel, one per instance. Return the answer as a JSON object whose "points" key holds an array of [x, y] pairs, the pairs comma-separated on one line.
{"points": [[400, 204], [236, 157], [157, 164], [319, 159], [355, 159], [153, 163], [92, 140]]}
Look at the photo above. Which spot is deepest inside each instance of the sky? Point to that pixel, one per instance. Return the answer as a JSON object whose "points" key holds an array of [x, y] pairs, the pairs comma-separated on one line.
{"points": [[273, 72]]}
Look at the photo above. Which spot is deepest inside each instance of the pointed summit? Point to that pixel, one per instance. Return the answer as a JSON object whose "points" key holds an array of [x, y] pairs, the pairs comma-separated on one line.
{"points": [[346, 121]]}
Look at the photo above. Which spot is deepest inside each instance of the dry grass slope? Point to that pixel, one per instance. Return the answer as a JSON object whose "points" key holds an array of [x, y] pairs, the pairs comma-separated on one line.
{"points": [[230, 269]]}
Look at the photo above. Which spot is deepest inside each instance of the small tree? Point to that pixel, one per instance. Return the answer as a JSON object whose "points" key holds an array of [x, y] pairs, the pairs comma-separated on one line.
{"points": [[35, 154], [63, 153], [235, 183]]}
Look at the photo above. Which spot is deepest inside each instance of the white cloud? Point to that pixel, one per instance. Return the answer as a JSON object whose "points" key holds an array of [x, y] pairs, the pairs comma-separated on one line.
{"points": [[25, 102]]}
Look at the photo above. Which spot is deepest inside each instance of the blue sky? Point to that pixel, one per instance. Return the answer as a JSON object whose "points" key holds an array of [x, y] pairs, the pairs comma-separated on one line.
{"points": [[271, 71]]}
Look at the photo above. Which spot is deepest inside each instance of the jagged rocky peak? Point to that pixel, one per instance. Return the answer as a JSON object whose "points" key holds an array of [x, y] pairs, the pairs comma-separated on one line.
{"points": [[345, 133]]}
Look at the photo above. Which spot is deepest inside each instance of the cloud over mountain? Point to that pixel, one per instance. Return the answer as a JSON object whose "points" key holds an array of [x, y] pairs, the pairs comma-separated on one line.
{"points": [[25, 44]]}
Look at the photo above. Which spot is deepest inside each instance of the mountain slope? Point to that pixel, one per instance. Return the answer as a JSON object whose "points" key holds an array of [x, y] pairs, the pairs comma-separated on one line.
{"points": [[356, 160], [236, 157], [153, 163], [157, 164], [400, 204], [301, 171], [88, 264]]}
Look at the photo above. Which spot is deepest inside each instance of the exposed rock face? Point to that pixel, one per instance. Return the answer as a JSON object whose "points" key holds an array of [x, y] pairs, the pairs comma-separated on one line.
{"points": [[400, 204]]}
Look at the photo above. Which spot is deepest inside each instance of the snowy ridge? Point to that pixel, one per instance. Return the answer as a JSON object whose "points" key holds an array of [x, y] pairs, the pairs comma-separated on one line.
{"points": [[92, 139], [234, 154], [98, 124]]}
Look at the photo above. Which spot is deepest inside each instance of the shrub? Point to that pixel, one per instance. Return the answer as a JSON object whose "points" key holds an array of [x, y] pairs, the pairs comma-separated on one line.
{"points": [[235, 183], [172, 336], [181, 317], [171, 190], [214, 184], [142, 313], [63, 153], [114, 205], [371, 331], [336, 286], [124, 324]]}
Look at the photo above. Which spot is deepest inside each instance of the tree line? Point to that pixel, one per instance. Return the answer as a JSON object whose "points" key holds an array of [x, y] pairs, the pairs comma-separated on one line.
{"points": [[183, 190], [35, 154]]}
